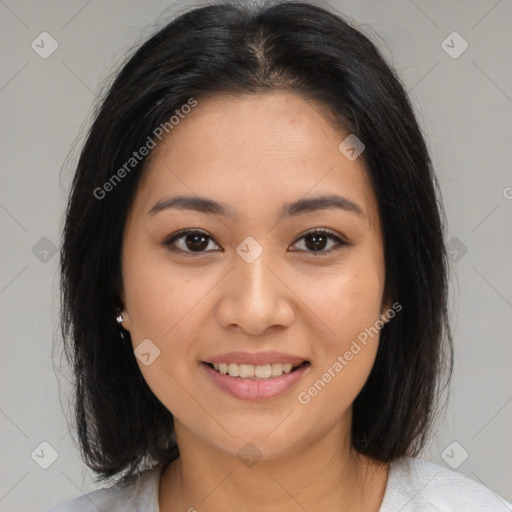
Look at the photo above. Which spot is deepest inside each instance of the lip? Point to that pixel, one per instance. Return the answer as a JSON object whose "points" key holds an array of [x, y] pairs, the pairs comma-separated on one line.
{"points": [[255, 390], [256, 359]]}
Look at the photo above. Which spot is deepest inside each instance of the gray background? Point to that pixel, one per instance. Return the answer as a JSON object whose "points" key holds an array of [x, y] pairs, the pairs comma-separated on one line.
{"points": [[465, 107]]}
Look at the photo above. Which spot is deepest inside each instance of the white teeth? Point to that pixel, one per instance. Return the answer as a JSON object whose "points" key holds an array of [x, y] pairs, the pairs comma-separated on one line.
{"points": [[277, 369], [287, 367], [263, 372], [233, 370], [249, 371], [244, 370]]}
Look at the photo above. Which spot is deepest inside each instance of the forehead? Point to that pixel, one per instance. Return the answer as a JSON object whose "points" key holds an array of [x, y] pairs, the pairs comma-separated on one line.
{"points": [[255, 150]]}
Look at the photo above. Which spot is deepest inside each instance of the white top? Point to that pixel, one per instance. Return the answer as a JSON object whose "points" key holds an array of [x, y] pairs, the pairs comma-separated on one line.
{"points": [[413, 485]]}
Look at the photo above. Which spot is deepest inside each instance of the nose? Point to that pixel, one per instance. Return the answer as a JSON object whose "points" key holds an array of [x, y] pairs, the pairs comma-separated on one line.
{"points": [[255, 296]]}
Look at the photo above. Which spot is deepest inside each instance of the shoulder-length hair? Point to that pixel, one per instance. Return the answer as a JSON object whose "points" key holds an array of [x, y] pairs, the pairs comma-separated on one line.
{"points": [[240, 48]]}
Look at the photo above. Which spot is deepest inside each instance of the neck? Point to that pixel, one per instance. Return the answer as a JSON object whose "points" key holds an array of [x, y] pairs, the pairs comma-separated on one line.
{"points": [[325, 474]]}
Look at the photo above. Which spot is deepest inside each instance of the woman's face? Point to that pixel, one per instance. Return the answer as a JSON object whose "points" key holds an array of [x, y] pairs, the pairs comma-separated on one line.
{"points": [[250, 287]]}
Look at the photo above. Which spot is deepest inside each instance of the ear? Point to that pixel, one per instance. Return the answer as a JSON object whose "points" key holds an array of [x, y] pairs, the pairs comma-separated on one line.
{"points": [[126, 317], [126, 321]]}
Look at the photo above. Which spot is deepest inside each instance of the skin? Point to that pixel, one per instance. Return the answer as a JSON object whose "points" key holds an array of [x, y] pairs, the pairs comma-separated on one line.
{"points": [[255, 153]]}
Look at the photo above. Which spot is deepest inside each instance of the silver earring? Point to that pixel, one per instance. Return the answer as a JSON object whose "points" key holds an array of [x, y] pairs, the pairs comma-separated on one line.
{"points": [[120, 320], [119, 317]]}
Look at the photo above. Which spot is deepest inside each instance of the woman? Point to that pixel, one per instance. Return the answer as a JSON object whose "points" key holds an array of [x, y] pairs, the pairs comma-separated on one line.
{"points": [[254, 276]]}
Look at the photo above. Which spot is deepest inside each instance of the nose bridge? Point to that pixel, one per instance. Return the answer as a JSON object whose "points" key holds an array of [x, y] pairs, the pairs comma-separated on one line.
{"points": [[255, 298], [255, 282]]}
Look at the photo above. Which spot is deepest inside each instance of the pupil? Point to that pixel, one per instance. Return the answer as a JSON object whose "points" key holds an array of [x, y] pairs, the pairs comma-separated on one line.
{"points": [[316, 238], [315, 242], [196, 239]]}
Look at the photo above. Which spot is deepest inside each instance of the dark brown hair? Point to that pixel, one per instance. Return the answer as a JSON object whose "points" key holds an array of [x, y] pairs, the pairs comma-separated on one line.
{"points": [[240, 48]]}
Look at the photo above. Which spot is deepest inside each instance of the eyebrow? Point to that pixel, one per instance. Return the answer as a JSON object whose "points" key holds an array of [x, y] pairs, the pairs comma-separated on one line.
{"points": [[209, 206]]}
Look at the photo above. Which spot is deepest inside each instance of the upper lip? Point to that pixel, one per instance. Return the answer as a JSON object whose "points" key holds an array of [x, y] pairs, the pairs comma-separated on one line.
{"points": [[256, 359]]}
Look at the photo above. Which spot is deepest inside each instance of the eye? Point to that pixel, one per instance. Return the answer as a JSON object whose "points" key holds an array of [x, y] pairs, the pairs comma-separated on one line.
{"points": [[317, 240], [194, 241], [191, 240]]}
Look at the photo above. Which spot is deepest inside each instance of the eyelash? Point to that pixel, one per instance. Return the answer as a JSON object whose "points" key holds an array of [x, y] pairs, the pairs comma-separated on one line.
{"points": [[169, 241]]}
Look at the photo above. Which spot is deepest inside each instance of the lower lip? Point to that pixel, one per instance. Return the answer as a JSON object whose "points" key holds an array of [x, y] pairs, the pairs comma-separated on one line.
{"points": [[257, 390]]}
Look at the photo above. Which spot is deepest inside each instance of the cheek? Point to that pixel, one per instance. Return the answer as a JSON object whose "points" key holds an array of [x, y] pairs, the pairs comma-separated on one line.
{"points": [[159, 296], [348, 305], [162, 308], [164, 303], [347, 301]]}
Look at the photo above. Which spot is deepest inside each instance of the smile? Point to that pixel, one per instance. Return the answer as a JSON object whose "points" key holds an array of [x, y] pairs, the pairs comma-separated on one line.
{"points": [[255, 372], [255, 382]]}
